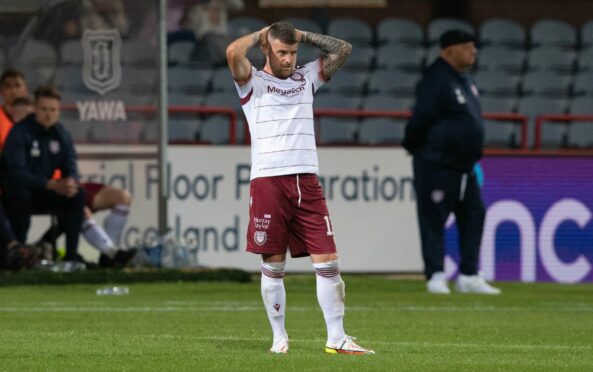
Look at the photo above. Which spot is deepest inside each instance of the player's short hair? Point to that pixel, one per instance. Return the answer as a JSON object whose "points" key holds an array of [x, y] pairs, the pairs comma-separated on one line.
{"points": [[46, 91], [11, 73], [284, 32], [22, 101]]}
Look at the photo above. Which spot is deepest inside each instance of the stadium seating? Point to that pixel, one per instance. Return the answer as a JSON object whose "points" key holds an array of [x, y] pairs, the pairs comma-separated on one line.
{"points": [[501, 58], [553, 135], [544, 83], [395, 56], [222, 80], [553, 32], [361, 58], [498, 104], [241, 26], [180, 52], [334, 101], [551, 59], [587, 34], [580, 133], [223, 99], [37, 54], [68, 78], [502, 32], [188, 80], [337, 131], [37, 76], [438, 26], [182, 129], [80, 130], [381, 131], [585, 60], [71, 53], [383, 102], [393, 82], [497, 83], [400, 31], [117, 132], [354, 30], [346, 82], [215, 130], [501, 134], [138, 53], [139, 80], [533, 70], [583, 84], [150, 133], [181, 99]]}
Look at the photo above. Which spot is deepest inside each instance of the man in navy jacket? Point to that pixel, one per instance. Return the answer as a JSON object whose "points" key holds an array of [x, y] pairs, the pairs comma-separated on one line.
{"points": [[34, 151], [445, 135]]}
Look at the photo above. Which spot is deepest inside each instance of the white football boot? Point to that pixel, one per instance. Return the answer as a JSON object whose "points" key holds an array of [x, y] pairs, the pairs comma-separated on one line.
{"points": [[280, 345], [474, 284], [347, 346], [438, 283]]}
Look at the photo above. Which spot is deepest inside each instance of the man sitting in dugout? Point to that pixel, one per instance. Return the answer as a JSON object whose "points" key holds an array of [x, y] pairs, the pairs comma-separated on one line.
{"points": [[33, 151]]}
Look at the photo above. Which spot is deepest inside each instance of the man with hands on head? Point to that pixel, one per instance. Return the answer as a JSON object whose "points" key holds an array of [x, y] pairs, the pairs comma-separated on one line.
{"points": [[287, 209], [34, 150]]}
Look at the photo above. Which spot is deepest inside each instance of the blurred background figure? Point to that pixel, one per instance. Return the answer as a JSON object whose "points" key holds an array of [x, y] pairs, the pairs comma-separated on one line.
{"points": [[21, 108], [105, 15], [209, 21]]}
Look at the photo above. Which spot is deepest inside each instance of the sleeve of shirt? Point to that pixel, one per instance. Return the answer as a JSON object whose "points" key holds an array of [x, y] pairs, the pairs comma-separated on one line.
{"points": [[15, 162], [425, 112], [315, 74], [245, 89]]}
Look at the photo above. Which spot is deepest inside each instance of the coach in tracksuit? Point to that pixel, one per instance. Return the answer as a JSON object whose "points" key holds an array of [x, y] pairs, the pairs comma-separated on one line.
{"points": [[445, 136], [34, 150]]}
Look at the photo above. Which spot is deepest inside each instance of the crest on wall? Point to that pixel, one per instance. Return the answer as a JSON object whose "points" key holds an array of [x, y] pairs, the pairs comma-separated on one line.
{"points": [[102, 64]]}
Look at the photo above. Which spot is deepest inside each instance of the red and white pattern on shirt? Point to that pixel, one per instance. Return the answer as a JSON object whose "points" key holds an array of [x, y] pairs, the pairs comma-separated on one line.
{"points": [[281, 122]]}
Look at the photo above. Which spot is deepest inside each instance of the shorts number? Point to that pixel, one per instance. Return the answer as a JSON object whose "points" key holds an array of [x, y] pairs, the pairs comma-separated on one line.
{"points": [[329, 226]]}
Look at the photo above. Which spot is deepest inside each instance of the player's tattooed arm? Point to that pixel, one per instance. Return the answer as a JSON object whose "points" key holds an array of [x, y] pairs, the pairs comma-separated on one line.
{"points": [[337, 51], [236, 54]]}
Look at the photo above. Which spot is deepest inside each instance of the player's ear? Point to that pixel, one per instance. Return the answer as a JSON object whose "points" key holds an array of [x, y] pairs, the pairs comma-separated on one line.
{"points": [[265, 48]]}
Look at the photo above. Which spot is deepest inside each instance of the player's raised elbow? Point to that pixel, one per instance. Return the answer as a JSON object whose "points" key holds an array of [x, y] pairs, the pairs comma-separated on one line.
{"points": [[346, 49], [231, 53]]}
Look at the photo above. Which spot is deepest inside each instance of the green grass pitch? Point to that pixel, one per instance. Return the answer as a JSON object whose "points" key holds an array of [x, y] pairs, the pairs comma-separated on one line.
{"points": [[222, 327]]}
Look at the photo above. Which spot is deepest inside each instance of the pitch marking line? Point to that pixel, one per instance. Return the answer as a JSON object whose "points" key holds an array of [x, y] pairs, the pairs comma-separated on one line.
{"points": [[422, 344], [239, 308]]}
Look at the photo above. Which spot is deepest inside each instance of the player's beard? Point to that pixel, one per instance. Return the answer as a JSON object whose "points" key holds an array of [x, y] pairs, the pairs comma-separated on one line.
{"points": [[281, 71]]}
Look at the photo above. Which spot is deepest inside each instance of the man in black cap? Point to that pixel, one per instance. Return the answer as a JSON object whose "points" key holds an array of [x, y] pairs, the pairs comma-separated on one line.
{"points": [[445, 136]]}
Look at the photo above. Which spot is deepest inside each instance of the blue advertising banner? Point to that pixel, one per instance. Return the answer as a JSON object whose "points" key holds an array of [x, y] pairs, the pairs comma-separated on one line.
{"points": [[539, 220]]}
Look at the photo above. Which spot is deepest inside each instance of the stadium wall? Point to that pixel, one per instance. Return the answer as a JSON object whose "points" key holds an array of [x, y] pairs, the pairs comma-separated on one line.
{"points": [[538, 226]]}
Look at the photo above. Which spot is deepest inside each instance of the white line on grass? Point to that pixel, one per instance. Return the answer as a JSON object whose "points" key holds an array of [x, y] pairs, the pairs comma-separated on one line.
{"points": [[413, 344], [238, 308]]}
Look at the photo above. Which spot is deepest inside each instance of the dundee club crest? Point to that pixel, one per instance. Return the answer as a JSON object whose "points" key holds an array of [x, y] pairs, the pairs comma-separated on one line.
{"points": [[102, 66]]}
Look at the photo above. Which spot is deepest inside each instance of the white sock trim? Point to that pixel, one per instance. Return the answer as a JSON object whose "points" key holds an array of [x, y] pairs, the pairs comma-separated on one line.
{"points": [[327, 269], [273, 270]]}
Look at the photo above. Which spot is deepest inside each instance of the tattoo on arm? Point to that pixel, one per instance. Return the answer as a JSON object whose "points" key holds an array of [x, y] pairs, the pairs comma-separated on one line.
{"points": [[337, 51]]}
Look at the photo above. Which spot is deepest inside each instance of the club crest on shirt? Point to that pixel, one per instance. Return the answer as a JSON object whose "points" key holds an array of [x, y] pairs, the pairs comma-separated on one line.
{"points": [[54, 147], [460, 97], [297, 76], [260, 237], [437, 196]]}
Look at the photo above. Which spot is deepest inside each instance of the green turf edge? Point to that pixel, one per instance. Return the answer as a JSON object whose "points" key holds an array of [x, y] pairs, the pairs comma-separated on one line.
{"points": [[36, 277]]}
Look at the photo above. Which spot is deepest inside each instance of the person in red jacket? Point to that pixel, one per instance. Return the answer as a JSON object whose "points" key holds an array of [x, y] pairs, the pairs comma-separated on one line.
{"points": [[12, 86]]}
